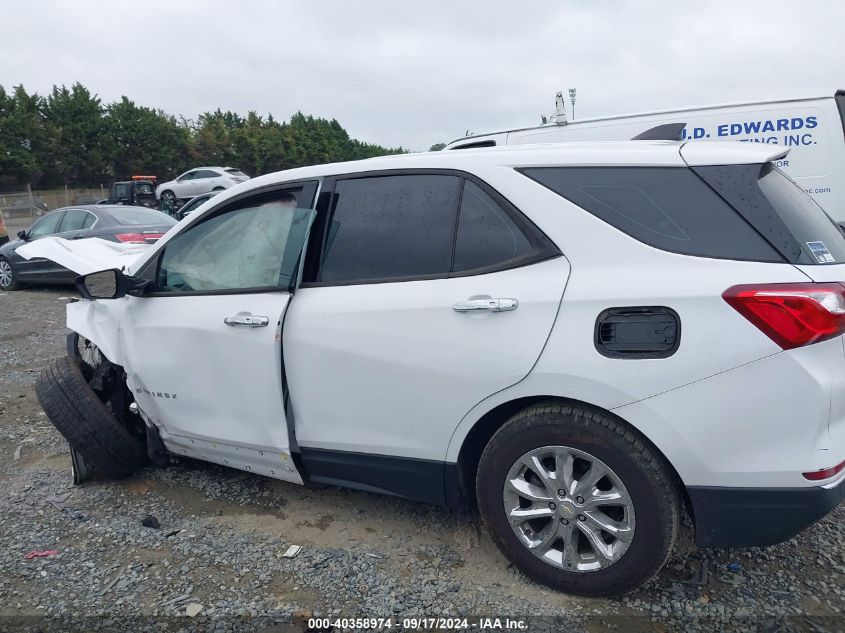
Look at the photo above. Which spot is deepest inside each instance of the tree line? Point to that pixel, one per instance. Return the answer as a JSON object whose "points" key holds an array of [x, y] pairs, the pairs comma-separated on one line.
{"points": [[69, 137]]}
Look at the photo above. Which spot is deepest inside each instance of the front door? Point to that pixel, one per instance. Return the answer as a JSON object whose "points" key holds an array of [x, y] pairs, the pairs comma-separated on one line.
{"points": [[202, 348], [39, 268]]}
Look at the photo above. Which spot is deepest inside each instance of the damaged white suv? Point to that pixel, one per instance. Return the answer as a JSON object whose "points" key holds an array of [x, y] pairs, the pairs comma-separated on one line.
{"points": [[581, 339]]}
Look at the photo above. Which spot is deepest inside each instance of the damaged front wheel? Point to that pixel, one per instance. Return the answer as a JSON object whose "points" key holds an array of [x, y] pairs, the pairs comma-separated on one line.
{"points": [[98, 436]]}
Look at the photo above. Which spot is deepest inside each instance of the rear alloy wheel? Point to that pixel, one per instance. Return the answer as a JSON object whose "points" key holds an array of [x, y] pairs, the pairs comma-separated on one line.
{"points": [[578, 500], [569, 508], [7, 276]]}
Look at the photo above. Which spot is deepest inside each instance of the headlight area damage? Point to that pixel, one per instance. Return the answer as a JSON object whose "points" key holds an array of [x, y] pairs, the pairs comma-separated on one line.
{"points": [[86, 398]]}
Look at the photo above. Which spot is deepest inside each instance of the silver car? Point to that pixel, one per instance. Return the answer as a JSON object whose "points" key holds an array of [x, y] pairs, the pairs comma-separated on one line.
{"points": [[198, 181]]}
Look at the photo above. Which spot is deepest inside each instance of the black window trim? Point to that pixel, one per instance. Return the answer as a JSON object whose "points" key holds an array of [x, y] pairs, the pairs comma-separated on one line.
{"points": [[544, 249], [783, 260], [150, 269]]}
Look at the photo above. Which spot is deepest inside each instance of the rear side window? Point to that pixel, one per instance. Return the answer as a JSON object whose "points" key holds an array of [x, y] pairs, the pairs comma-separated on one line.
{"points": [[784, 214], [74, 220], [670, 208], [391, 227], [487, 236]]}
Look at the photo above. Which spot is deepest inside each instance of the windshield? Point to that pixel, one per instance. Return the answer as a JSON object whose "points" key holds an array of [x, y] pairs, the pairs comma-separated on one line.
{"points": [[139, 216], [786, 216]]}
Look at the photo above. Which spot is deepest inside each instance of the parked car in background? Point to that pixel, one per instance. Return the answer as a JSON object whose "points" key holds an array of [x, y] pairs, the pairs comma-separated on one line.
{"points": [[199, 180], [4, 233], [581, 338], [114, 223], [193, 204], [18, 205]]}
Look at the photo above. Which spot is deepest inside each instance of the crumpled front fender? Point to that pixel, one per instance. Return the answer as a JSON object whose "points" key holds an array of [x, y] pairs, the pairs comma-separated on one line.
{"points": [[100, 321]]}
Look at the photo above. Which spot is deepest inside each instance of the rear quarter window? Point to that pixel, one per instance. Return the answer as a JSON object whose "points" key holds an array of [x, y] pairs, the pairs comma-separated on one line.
{"points": [[669, 208], [780, 210]]}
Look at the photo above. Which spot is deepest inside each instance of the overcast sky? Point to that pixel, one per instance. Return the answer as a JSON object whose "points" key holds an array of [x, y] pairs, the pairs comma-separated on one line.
{"points": [[414, 73]]}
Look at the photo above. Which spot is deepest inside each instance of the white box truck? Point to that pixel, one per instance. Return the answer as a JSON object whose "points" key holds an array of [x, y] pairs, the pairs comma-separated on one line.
{"points": [[813, 129]]}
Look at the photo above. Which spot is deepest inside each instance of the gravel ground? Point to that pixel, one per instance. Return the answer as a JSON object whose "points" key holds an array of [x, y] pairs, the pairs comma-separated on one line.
{"points": [[222, 533]]}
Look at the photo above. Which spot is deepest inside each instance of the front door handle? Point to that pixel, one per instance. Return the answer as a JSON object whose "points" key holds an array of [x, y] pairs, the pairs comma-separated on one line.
{"points": [[247, 319], [489, 305]]}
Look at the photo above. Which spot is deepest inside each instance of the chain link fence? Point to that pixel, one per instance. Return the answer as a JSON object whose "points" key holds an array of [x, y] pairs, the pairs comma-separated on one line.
{"points": [[21, 208]]}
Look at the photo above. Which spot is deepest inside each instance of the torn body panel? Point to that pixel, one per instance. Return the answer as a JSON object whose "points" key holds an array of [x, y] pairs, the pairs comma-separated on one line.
{"points": [[84, 256]]}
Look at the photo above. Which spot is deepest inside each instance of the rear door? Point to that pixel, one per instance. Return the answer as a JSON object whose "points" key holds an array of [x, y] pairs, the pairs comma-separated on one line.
{"points": [[432, 293], [202, 349]]}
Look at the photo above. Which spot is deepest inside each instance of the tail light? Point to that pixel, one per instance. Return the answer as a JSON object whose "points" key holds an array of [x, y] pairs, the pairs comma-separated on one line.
{"points": [[131, 237], [138, 238], [792, 315]]}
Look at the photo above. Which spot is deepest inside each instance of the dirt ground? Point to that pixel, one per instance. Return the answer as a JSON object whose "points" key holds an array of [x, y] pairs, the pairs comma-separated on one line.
{"points": [[222, 534]]}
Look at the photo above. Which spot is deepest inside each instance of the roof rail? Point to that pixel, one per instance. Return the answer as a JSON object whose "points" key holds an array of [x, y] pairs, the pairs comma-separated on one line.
{"points": [[665, 132]]}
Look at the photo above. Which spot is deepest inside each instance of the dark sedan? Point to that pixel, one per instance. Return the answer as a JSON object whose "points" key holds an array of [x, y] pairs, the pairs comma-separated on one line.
{"points": [[114, 223]]}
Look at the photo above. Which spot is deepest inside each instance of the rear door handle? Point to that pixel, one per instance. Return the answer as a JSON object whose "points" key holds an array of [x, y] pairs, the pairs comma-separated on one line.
{"points": [[246, 319], [489, 305]]}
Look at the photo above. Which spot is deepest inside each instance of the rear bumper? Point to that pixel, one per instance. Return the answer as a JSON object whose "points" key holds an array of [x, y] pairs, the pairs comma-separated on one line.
{"points": [[750, 517]]}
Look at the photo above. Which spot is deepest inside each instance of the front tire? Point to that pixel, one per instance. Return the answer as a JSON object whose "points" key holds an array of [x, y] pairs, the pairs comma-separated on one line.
{"points": [[8, 279], [85, 422], [577, 500]]}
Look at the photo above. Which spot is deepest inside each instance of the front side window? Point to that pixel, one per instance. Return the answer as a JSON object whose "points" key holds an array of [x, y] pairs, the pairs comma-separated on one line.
{"points": [[48, 225], [187, 176], [256, 244], [391, 227]]}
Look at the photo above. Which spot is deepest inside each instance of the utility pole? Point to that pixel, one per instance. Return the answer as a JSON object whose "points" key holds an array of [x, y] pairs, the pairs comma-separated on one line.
{"points": [[572, 99]]}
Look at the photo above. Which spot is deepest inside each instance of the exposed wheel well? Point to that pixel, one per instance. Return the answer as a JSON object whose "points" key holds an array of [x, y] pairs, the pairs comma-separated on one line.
{"points": [[475, 441]]}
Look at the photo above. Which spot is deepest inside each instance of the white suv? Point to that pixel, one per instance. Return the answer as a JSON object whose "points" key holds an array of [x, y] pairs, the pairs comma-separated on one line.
{"points": [[197, 181], [581, 339]]}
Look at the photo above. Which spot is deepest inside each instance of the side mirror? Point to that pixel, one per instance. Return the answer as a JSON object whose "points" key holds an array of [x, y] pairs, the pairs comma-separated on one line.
{"points": [[108, 284], [23, 235]]}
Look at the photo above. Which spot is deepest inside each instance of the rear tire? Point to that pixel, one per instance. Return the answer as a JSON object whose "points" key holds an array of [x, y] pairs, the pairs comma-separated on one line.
{"points": [[566, 545], [85, 422], [168, 198], [8, 279]]}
